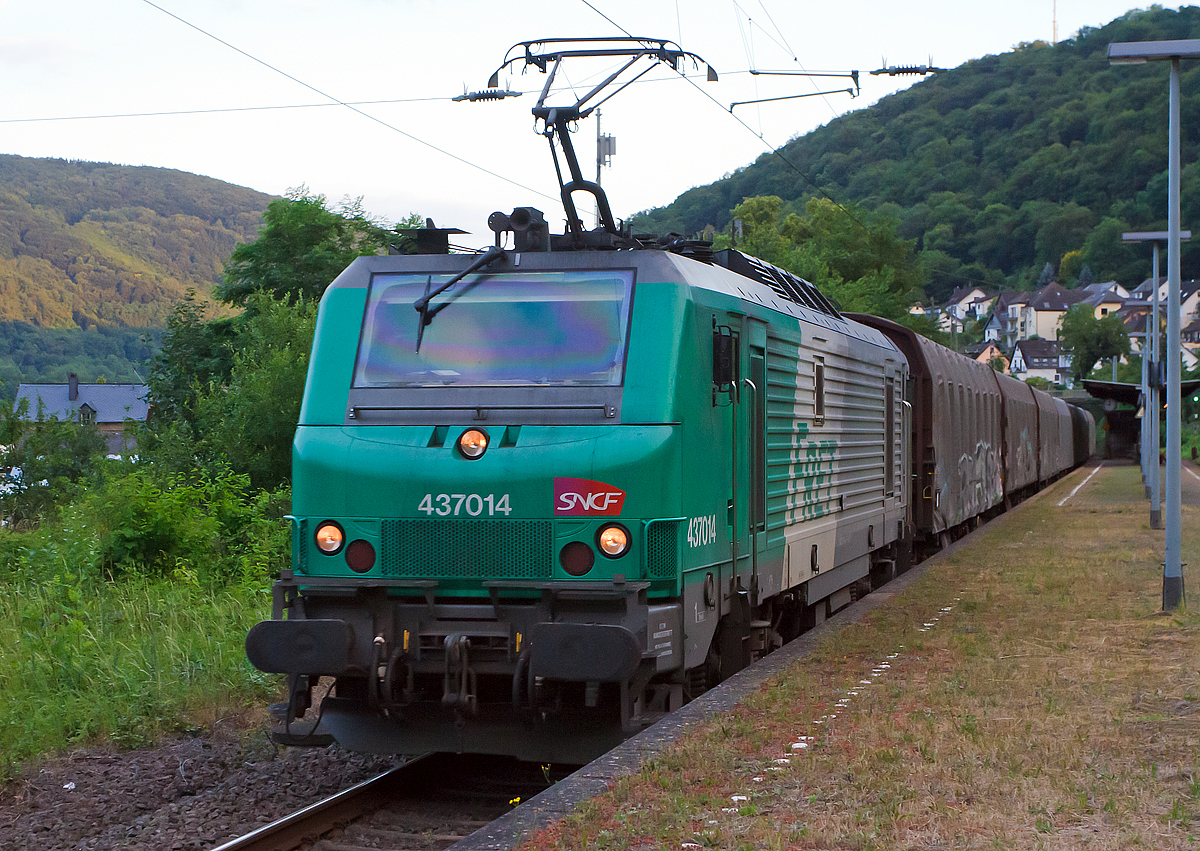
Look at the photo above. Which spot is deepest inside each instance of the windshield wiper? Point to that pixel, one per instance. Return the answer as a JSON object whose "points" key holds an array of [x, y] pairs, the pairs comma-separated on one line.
{"points": [[421, 305]]}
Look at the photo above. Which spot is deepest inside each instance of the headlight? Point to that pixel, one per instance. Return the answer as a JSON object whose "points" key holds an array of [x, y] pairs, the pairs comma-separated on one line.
{"points": [[330, 537], [613, 541], [473, 443]]}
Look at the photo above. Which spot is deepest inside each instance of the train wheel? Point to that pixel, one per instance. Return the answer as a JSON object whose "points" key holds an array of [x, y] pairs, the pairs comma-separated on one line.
{"points": [[705, 675]]}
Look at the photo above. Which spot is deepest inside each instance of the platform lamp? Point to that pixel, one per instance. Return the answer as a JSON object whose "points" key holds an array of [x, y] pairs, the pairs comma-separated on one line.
{"points": [[1137, 53], [1151, 384]]}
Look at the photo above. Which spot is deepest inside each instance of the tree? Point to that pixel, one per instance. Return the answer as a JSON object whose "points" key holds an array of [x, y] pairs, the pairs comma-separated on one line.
{"points": [[1089, 339], [870, 269], [226, 393], [761, 237], [249, 422], [43, 460], [302, 247], [195, 354], [853, 257], [1071, 265]]}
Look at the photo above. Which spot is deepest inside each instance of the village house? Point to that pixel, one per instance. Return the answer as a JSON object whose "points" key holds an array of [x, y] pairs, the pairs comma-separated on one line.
{"points": [[107, 406], [1189, 297], [966, 304], [997, 322], [1105, 298], [990, 354], [1043, 312], [1040, 359]]}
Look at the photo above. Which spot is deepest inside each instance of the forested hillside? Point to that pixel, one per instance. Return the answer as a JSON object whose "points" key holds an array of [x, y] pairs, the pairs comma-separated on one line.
{"points": [[1044, 154], [91, 244]]}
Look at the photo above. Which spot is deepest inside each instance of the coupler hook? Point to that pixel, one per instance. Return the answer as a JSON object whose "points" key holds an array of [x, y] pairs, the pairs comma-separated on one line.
{"points": [[458, 684]]}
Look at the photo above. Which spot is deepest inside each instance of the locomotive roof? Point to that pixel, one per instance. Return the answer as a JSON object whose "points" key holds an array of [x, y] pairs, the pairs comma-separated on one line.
{"points": [[765, 289]]}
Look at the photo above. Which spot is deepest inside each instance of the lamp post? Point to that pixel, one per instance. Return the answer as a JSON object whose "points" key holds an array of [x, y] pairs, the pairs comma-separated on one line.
{"points": [[1152, 382], [1173, 51]]}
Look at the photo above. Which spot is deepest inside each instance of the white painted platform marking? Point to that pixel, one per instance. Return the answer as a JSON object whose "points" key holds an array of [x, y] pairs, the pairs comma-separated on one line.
{"points": [[1081, 484]]}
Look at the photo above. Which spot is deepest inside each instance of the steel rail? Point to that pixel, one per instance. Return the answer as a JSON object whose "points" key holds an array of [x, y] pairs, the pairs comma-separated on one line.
{"points": [[309, 823]]}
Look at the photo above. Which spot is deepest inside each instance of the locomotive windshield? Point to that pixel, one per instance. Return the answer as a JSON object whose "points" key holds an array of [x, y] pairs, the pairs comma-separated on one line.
{"points": [[527, 328]]}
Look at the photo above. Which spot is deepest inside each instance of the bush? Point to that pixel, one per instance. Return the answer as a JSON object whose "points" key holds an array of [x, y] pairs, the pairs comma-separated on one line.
{"points": [[194, 528], [43, 462], [125, 618], [126, 662]]}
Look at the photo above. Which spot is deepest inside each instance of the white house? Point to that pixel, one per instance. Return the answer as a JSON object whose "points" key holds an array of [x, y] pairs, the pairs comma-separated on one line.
{"points": [[1040, 359]]}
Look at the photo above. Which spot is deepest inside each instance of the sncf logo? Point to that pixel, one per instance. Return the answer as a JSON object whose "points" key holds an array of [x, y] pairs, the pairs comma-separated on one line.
{"points": [[585, 497]]}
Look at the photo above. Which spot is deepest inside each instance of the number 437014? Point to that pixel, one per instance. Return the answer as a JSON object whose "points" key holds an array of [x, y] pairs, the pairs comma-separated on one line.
{"points": [[471, 504]]}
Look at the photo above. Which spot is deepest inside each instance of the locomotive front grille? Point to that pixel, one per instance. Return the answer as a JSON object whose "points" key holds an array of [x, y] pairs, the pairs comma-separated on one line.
{"points": [[464, 549]]}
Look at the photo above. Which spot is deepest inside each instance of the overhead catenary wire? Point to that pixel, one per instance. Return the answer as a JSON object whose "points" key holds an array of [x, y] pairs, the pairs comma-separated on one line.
{"points": [[168, 113], [748, 46], [771, 149], [348, 105], [782, 42], [396, 116], [782, 37]]}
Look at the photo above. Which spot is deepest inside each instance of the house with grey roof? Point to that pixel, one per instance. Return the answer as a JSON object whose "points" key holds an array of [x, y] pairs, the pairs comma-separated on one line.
{"points": [[1189, 295], [107, 406], [999, 321], [1040, 359], [1105, 298], [1038, 314]]}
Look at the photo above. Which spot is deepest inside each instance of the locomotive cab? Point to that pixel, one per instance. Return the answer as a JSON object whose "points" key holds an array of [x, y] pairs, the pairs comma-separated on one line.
{"points": [[486, 506]]}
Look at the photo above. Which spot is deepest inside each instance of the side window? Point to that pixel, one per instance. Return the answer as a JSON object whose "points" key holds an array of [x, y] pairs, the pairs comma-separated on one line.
{"points": [[819, 391]]}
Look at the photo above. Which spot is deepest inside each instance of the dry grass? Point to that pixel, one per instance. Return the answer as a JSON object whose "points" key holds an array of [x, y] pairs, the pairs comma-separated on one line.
{"points": [[1024, 693]]}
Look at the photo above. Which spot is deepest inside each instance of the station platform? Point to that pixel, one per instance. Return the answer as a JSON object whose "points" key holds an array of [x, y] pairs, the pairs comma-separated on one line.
{"points": [[1021, 688]]}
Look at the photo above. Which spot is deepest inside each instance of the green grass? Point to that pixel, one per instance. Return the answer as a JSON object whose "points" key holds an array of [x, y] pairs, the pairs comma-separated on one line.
{"points": [[125, 662], [85, 660]]}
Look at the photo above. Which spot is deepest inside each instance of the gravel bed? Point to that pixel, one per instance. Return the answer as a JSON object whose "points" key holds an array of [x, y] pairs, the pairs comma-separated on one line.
{"points": [[190, 793]]}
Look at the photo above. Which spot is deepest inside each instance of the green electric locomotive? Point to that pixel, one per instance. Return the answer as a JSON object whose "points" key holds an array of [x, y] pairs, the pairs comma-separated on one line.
{"points": [[546, 493], [572, 490]]}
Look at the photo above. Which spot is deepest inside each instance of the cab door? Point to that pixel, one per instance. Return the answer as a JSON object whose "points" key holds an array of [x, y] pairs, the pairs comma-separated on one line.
{"points": [[748, 456]]}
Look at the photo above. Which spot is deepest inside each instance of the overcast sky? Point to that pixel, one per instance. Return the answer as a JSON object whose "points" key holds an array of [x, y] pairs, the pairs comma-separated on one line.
{"points": [[232, 66]]}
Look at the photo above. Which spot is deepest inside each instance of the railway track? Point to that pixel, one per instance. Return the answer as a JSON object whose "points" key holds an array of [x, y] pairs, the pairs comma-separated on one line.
{"points": [[429, 802], [434, 801]]}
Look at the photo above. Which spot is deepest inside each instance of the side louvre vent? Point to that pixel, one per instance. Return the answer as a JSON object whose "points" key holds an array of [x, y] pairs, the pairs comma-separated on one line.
{"points": [[299, 544], [662, 549]]}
